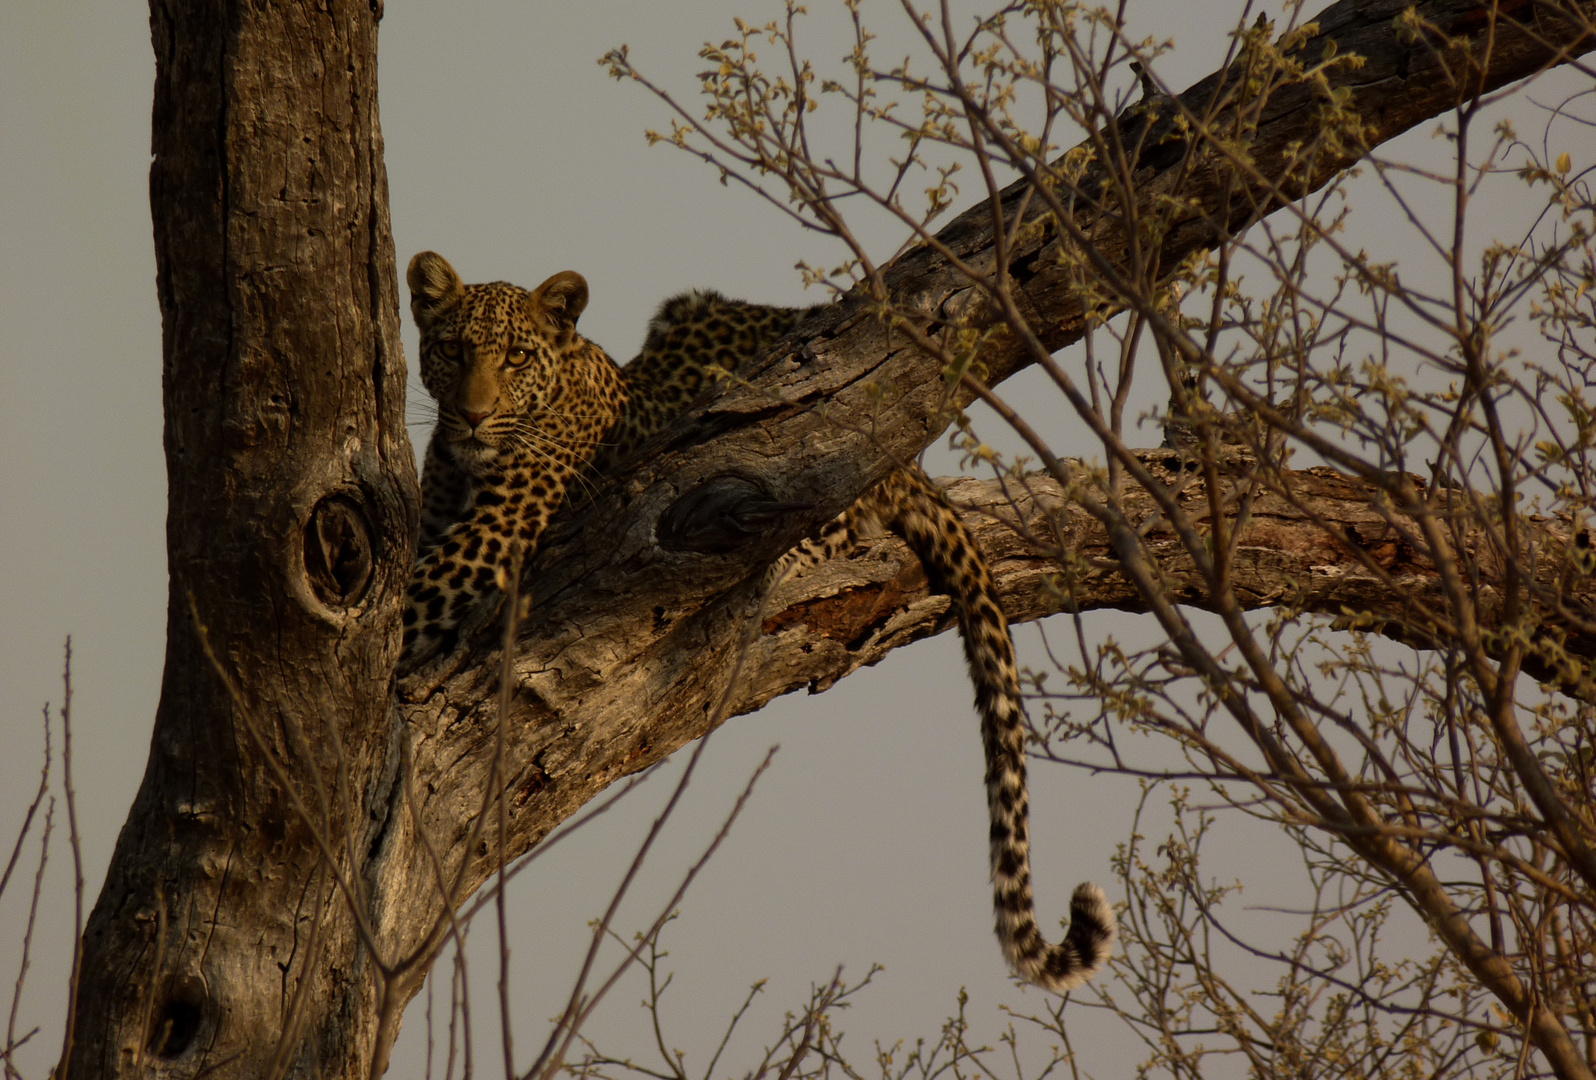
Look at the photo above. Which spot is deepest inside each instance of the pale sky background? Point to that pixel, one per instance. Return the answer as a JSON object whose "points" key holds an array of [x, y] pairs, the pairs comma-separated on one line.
{"points": [[512, 153]]}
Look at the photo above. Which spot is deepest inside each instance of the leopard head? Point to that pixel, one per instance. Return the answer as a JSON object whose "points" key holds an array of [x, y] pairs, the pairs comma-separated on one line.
{"points": [[490, 354]]}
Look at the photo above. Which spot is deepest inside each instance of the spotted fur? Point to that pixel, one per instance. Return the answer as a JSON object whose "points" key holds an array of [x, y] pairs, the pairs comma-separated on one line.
{"points": [[908, 504], [526, 405]]}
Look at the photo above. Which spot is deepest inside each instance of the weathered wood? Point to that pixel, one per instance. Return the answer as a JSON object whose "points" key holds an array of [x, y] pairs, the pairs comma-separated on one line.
{"points": [[273, 896], [1313, 542], [292, 505]]}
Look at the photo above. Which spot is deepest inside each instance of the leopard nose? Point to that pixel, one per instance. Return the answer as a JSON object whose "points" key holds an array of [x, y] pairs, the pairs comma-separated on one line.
{"points": [[475, 418]]}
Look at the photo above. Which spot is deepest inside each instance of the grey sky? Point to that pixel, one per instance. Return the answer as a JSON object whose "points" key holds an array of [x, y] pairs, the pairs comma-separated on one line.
{"points": [[510, 152]]}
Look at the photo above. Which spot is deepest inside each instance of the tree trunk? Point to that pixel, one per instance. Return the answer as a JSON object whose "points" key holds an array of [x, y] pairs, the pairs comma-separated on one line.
{"points": [[287, 868], [292, 495]]}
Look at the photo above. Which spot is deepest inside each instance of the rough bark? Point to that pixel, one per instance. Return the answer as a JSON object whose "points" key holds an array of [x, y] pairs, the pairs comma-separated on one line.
{"points": [[292, 506], [274, 894], [1313, 542]]}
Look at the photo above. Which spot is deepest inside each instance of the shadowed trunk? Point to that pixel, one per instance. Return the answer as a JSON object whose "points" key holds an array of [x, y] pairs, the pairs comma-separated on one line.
{"points": [[274, 898], [292, 506]]}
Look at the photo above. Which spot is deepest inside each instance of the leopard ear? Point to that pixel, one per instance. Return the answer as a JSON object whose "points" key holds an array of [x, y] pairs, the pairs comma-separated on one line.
{"points": [[434, 287], [561, 298]]}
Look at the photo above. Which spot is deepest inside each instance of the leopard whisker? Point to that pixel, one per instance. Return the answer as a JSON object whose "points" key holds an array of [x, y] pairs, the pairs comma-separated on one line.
{"points": [[523, 439], [530, 426]]}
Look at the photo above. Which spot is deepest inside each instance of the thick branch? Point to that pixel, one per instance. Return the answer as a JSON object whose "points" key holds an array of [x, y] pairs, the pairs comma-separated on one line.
{"points": [[1324, 550]]}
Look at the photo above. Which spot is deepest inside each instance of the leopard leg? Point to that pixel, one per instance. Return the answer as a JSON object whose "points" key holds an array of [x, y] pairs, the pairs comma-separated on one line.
{"points": [[445, 494], [465, 568]]}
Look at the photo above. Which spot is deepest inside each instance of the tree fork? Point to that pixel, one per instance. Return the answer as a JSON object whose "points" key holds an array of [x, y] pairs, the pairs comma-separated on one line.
{"points": [[271, 901]]}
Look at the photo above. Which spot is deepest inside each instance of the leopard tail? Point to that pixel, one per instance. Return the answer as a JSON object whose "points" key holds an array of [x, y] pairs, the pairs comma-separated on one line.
{"points": [[907, 504]]}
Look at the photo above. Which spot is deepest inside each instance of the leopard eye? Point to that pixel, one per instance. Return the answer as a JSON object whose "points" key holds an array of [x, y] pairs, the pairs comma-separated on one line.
{"points": [[450, 349], [517, 356]]}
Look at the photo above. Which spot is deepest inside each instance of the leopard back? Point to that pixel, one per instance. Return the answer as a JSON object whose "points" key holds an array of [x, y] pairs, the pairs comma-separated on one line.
{"points": [[693, 339]]}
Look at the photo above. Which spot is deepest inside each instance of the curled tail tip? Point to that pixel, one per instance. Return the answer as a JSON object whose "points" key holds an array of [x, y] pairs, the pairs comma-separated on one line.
{"points": [[1086, 947], [1092, 923]]}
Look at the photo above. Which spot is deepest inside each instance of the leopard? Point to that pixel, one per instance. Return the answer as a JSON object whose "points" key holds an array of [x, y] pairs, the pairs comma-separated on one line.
{"points": [[528, 407]]}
